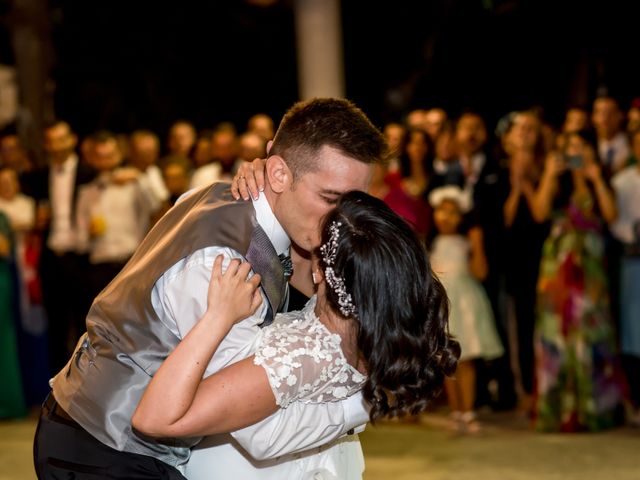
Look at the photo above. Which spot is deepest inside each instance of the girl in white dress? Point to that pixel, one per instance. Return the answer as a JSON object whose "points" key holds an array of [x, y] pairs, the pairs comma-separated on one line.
{"points": [[378, 323], [460, 263]]}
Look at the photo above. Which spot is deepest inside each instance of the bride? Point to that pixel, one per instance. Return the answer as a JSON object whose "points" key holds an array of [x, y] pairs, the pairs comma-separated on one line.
{"points": [[378, 324]]}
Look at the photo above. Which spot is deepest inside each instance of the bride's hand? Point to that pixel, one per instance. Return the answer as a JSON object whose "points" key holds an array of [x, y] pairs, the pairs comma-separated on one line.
{"points": [[248, 180], [232, 296]]}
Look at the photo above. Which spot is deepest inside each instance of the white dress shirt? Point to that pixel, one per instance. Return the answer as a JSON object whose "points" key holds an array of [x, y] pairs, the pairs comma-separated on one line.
{"points": [[62, 235], [626, 185], [153, 185], [206, 175], [619, 146], [122, 209], [477, 162], [179, 298]]}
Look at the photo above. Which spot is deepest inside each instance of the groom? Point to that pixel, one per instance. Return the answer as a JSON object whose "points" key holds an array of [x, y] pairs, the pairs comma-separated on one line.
{"points": [[323, 147]]}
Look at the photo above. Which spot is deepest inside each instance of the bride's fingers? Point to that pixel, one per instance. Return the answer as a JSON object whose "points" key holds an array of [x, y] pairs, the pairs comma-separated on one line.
{"points": [[216, 272], [254, 179], [234, 188], [255, 280], [243, 175], [256, 301], [215, 280], [243, 186], [237, 183], [232, 269], [243, 271]]}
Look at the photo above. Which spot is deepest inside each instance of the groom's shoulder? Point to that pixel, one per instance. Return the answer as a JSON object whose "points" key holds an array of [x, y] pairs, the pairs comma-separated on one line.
{"points": [[214, 215], [219, 201], [215, 192], [214, 199], [202, 217]]}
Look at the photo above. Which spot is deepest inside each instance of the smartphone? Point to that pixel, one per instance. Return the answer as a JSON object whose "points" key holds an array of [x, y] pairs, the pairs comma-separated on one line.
{"points": [[574, 161]]}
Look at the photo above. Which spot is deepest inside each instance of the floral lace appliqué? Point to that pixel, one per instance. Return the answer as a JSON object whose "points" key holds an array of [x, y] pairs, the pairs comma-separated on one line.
{"points": [[303, 360]]}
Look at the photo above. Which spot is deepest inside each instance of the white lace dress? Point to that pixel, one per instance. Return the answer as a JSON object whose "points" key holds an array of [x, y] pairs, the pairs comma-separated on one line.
{"points": [[304, 363], [304, 360], [471, 318]]}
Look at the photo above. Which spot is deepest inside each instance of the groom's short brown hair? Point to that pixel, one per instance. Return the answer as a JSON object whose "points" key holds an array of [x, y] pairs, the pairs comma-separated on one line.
{"points": [[334, 122]]}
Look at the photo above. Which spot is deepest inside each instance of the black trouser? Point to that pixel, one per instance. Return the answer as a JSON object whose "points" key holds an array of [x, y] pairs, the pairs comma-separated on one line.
{"points": [[499, 369], [62, 449], [631, 365], [523, 295]]}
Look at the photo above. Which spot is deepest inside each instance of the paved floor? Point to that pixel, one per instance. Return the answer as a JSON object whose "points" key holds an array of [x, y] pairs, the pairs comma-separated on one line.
{"points": [[506, 450]]}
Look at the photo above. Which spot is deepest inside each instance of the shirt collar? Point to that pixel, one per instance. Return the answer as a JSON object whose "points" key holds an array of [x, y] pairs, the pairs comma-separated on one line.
{"points": [[267, 220], [68, 165], [618, 140]]}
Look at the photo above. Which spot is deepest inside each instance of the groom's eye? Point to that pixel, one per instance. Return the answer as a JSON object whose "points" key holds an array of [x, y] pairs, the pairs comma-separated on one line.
{"points": [[332, 200]]}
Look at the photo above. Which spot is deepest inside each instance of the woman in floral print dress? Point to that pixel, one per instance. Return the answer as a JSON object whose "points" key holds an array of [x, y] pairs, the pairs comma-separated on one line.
{"points": [[578, 384]]}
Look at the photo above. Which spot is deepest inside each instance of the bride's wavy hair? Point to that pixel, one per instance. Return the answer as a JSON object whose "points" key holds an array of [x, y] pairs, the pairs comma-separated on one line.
{"points": [[401, 309]]}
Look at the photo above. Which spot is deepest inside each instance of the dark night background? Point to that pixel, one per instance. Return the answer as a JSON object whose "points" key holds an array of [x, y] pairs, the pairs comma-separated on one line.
{"points": [[129, 64]]}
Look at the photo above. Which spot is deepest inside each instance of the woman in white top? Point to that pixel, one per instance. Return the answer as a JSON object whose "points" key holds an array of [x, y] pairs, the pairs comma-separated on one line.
{"points": [[378, 323]]}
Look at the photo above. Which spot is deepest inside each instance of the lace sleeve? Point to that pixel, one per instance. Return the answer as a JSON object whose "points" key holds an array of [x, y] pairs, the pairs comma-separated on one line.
{"points": [[304, 363]]}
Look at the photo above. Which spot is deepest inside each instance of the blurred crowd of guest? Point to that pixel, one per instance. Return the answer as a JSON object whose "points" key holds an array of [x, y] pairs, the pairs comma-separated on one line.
{"points": [[548, 220], [534, 230]]}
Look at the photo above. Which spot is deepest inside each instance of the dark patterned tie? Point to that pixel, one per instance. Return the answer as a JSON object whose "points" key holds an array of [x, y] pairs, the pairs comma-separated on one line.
{"points": [[287, 265], [264, 260]]}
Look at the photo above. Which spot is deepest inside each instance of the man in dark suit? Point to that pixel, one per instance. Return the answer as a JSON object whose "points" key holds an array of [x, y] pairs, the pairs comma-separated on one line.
{"points": [[481, 177], [61, 268]]}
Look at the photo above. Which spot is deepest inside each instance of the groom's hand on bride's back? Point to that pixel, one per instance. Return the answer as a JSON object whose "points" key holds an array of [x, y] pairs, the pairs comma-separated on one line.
{"points": [[232, 295]]}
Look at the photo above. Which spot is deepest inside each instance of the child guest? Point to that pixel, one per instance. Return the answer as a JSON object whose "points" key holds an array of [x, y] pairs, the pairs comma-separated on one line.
{"points": [[460, 263]]}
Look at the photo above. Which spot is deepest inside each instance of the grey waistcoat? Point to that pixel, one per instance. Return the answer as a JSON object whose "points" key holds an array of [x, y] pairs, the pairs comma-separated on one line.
{"points": [[126, 342]]}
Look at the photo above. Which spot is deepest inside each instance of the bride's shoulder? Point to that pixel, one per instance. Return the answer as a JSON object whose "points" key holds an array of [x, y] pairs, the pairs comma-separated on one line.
{"points": [[301, 331], [303, 359]]}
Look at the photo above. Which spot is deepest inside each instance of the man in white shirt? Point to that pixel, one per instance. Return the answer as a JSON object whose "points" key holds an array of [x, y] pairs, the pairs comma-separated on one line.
{"points": [[144, 151], [323, 148], [613, 144], [112, 213]]}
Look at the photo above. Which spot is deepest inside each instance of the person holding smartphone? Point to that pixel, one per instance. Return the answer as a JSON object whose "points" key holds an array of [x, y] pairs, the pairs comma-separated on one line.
{"points": [[577, 372]]}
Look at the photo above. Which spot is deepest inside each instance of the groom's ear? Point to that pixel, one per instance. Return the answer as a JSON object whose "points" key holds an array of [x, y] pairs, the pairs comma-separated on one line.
{"points": [[278, 174]]}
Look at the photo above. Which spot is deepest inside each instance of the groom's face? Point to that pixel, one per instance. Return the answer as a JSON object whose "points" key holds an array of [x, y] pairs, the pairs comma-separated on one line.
{"points": [[303, 205]]}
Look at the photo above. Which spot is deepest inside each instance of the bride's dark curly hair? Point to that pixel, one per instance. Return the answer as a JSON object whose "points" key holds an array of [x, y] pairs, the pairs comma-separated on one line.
{"points": [[401, 308]]}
